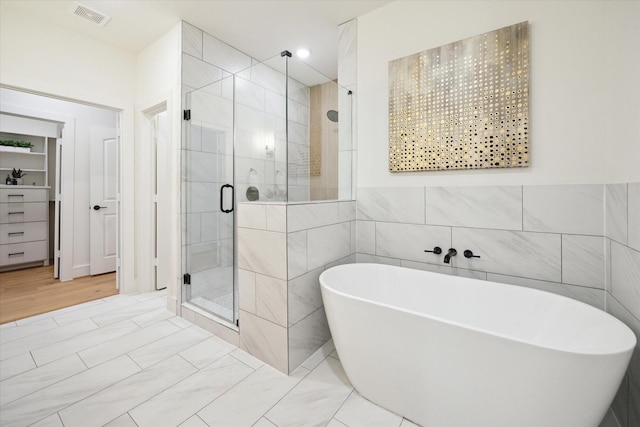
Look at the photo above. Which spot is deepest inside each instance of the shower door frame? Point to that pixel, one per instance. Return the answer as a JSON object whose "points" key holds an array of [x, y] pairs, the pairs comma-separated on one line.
{"points": [[225, 234]]}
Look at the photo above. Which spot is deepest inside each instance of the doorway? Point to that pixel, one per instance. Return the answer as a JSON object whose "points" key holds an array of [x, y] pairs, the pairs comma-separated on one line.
{"points": [[80, 166]]}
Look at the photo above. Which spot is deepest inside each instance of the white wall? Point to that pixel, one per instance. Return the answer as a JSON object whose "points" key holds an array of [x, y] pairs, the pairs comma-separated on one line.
{"points": [[572, 125], [40, 57], [622, 60], [158, 82]]}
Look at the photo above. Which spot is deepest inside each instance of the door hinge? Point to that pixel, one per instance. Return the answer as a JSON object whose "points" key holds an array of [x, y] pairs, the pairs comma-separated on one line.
{"points": [[186, 279], [186, 115]]}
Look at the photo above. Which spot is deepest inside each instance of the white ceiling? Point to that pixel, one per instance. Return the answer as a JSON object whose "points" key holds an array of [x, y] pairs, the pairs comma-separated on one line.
{"points": [[260, 28]]}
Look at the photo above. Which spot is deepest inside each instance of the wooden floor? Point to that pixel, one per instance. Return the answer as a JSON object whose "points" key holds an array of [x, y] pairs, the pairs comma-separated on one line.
{"points": [[32, 291]]}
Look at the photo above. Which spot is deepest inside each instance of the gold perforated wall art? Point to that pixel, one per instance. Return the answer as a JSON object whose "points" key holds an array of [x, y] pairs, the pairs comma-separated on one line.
{"points": [[464, 105]]}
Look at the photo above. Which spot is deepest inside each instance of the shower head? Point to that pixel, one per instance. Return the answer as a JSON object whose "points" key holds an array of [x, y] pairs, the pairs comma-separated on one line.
{"points": [[332, 115]]}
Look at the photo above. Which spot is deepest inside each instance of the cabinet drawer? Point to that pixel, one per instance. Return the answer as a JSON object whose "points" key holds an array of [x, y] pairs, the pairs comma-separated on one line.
{"points": [[22, 212], [23, 232], [23, 195], [18, 253]]}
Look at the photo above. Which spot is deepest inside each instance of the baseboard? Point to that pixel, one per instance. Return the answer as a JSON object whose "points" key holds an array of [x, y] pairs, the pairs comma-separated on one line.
{"points": [[81, 270], [172, 304]]}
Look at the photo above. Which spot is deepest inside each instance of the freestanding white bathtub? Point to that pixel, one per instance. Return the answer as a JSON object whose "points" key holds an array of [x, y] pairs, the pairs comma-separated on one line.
{"points": [[446, 351]]}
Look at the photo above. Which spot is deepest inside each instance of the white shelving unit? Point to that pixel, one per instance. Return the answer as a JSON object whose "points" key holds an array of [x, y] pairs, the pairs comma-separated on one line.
{"points": [[24, 208], [33, 163]]}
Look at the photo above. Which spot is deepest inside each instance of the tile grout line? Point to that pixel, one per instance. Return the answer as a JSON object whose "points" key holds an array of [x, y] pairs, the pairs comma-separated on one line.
{"points": [[264, 415], [522, 207], [75, 402], [198, 370], [353, 390]]}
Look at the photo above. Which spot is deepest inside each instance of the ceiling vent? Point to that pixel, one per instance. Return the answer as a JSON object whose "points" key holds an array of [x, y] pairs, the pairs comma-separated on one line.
{"points": [[90, 14]]}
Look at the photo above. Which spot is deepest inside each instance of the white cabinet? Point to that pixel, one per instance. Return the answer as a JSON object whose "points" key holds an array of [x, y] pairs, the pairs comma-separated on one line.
{"points": [[24, 235]]}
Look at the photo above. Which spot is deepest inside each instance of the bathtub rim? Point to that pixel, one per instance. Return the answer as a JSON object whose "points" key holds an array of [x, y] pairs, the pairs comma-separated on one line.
{"points": [[523, 289]]}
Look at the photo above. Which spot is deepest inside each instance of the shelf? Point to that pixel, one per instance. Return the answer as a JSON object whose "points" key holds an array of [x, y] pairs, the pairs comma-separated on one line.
{"points": [[10, 187], [23, 170], [29, 153], [33, 163]]}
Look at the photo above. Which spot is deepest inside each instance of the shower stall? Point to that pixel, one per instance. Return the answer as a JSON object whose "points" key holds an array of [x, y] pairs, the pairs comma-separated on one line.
{"points": [[276, 131]]}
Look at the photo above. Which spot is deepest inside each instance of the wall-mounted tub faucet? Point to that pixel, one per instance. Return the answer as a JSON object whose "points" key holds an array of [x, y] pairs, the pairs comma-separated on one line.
{"points": [[437, 250], [447, 258], [469, 254]]}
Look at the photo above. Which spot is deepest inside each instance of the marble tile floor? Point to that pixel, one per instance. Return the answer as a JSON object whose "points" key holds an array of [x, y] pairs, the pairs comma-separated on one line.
{"points": [[212, 283], [127, 361]]}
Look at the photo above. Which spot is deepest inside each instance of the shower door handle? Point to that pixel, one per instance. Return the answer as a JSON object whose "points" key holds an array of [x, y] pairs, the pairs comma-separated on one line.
{"points": [[233, 196]]}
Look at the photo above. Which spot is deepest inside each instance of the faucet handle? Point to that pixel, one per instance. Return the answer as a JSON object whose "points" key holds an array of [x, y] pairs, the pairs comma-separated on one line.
{"points": [[437, 250], [469, 254]]}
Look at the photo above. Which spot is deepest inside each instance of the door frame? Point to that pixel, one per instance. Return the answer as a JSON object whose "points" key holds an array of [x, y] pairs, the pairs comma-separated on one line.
{"points": [[152, 194], [145, 217]]}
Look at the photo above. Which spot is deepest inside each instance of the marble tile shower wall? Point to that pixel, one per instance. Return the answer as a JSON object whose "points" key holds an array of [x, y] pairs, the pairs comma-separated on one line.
{"points": [[282, 249], [260, 106], [208, 142], [581, 241], [261, 147], [622, 249], [347, 36], [206, 157]]}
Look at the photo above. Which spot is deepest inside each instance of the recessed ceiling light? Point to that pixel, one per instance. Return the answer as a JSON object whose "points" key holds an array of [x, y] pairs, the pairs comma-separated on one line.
{"points": [[303, 53]]}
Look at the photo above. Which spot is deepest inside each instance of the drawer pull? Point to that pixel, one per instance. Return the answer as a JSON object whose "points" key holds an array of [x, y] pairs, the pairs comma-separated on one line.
{"points": [[15, 233], [16, 253], [16, 213], [16, 195]]}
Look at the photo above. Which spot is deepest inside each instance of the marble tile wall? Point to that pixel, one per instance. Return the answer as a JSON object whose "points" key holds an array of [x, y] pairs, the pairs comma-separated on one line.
{"points": [[261, 144], [282, 250], [581, 241], [206, 155], [548, 237], [622, 261], [347, 105], [262, 148], [232, 96]]}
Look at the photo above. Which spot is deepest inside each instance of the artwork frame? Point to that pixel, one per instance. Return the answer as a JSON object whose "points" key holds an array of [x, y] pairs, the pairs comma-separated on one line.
{"points": [[464, 105]]}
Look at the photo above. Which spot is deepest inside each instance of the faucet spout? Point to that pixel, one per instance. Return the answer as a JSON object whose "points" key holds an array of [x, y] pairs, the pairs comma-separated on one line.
{"points": [[447, 258]]}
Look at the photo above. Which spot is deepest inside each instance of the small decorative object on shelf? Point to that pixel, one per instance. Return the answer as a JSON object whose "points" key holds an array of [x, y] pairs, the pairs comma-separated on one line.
{"points": [[8, 181], [17, 176]]}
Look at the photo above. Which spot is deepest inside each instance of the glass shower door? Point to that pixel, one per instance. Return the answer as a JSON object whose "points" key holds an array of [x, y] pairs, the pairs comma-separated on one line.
{"points": [[208, 204]]}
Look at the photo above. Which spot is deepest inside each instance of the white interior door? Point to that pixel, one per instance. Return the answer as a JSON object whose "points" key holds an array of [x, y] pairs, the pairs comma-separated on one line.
{"points": [[103, 188]]}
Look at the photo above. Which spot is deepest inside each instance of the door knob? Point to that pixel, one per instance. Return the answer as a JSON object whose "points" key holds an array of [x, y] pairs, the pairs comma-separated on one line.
{"points": [[98, 207]]}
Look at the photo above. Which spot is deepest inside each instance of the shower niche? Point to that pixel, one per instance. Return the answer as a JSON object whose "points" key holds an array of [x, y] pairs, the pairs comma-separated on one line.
{"points": [[274, 131]]}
